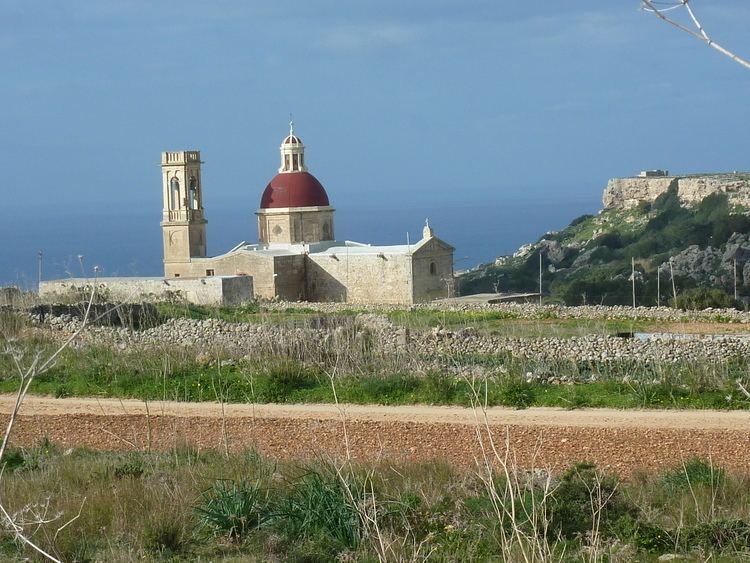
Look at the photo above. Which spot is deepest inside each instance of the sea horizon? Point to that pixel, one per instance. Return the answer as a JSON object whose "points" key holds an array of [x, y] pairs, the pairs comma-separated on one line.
{"points": [[127, 241]]}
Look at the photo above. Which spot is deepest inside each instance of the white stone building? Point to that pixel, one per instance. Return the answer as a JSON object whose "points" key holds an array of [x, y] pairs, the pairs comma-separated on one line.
{"points": [[297, 256]]}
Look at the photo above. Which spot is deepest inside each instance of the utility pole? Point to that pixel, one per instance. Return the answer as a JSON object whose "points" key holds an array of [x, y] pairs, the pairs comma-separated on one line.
{"points": [[735, 279], [632, 275], [40, 256], [671, 274], [658, 286], [540, 278]]}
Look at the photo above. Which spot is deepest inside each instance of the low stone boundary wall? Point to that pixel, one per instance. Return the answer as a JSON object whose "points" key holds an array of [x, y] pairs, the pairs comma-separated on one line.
{"points": [[210, 290]]}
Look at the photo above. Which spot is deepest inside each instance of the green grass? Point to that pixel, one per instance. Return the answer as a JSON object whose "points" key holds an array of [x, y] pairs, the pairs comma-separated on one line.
{"points": [[496, 323], [102, 372], [185, 505]]}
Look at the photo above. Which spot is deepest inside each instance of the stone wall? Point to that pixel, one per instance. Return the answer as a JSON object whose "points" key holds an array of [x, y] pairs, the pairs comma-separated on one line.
{"points": [[436, 348], [432, 272], [359, 278], [627, 193], [290, 276], [259, 266], [215, 291]]}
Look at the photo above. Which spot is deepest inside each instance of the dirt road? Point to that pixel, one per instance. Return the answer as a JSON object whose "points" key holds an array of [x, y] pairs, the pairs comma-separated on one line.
{"points": [[620, 441]]}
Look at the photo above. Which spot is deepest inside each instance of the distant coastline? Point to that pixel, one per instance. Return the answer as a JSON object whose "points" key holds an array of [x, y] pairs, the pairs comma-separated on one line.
{"points": [[480, 232]]}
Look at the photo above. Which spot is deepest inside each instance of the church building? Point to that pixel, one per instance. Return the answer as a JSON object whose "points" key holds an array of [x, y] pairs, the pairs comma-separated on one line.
{"points": [[297, 257]]}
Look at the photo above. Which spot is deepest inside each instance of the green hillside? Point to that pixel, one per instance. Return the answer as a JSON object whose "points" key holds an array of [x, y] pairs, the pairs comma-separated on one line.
{"points": [[590, 260]]}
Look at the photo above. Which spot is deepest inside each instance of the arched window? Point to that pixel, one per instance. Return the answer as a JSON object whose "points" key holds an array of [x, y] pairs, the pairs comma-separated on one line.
{"points": [[192, 196], [433, 268], [174, 200]]}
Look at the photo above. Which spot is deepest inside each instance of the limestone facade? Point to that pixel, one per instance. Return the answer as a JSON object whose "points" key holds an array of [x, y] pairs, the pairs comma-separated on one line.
{"points": [[297, 257], [183, 224], [295, 225], [215, 290]]}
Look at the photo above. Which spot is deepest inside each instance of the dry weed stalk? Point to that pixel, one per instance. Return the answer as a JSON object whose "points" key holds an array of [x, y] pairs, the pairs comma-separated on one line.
{"points": [[26, 376], [220, 394], [597, 501], [529, 545], [367, 505]]}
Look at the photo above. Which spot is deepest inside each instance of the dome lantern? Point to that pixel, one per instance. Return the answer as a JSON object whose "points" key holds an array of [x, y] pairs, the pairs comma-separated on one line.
{"points": [[292, 153]]}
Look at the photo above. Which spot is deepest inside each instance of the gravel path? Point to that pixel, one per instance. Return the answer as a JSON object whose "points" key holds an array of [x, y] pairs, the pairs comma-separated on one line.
{"points": [[620, 441]]}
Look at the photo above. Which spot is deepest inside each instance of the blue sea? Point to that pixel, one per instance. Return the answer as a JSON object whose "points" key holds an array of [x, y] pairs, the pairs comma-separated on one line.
{"points": [[126, 241]]}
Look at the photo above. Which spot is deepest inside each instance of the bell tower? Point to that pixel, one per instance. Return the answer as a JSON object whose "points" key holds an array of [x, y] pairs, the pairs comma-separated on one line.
{"points": [[183, 225]]}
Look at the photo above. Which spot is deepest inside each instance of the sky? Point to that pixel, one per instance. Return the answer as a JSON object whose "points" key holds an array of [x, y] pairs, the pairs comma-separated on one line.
{"points": [[490, 105]]}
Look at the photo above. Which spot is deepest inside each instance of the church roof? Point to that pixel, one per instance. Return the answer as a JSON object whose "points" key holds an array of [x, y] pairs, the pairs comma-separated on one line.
{"points": [[294, 189], [339, 247]]}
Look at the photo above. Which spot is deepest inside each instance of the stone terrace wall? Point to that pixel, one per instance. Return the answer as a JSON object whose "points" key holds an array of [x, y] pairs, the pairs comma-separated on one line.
{"points": [[378, 334]]}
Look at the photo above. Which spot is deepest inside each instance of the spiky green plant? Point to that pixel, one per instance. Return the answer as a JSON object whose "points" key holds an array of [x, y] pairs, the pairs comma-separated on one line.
{"points": [[232, 508], [319, 505]]}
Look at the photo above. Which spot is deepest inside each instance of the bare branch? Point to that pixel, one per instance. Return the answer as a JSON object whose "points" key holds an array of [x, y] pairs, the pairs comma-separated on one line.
{"points": [[700, 34], [69, 522], [27, 377]]}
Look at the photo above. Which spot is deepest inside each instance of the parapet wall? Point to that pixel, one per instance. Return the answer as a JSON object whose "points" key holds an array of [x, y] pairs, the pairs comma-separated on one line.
{"points": [[211, 290], [627, 193]]}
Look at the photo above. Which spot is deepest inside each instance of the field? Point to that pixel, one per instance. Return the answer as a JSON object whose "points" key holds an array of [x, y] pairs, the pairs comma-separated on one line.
{"points": [[286, 432], [185, 504]]}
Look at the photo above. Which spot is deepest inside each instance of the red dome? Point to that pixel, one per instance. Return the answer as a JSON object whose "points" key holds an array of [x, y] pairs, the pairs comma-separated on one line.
{"points": [[294, 189], [292, 140]]}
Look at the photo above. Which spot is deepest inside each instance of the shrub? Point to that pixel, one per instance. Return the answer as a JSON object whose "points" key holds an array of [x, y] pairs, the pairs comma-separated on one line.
{"points": [[320, 507], [40, 455], [12, 459], [699, 298], [390, 389], [442, 388], [610, 240], [582, 489], [518, 394], [281, 381], [233, 509], [132, 468], [164, 536], [581, 219], [643, 535], [693, 473], [718, 535], [62, 391]]}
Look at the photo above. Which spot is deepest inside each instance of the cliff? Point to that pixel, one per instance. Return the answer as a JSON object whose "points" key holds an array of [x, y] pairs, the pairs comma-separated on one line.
{"points": [[628, 193], [693, 229]]}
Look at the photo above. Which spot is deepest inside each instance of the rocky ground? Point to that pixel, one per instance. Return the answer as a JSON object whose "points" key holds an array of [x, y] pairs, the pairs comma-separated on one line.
{"points": [[535, 438]]}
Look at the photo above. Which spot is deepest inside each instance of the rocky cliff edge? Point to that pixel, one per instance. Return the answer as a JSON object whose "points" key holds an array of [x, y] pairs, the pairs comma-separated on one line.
{"points": [[628, 193]]}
